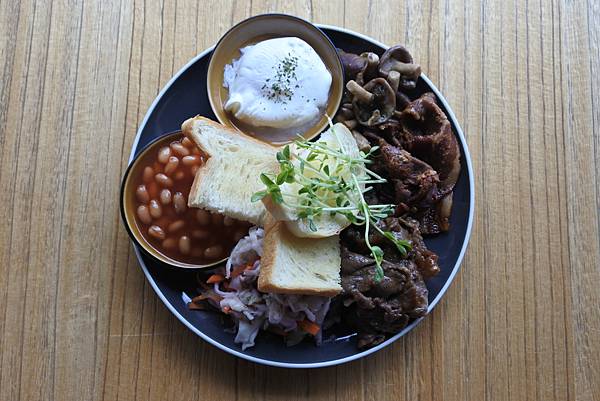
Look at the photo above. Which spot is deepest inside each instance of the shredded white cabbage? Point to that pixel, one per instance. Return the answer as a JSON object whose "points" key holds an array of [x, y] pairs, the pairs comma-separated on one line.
{"points": [[246, 250], [252, 310]]}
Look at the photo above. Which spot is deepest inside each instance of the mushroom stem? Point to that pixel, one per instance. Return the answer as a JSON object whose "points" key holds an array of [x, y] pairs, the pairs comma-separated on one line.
{"points": [[370, 69], [406, 69], [394, 80], [372, 60], [350, 124], [360, 93]]}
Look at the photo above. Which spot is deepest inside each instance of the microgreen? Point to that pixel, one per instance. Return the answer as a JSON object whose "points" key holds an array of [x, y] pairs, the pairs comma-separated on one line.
{"points": [[330, 181]]}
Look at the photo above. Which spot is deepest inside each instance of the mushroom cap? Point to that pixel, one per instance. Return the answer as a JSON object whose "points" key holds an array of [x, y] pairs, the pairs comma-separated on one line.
{"points": [[398, 58], [380, 106], [359, 68], [370, 70], [352, 63]]}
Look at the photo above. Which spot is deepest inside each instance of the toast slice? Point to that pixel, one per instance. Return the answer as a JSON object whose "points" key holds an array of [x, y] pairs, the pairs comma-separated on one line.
{"points": [[292, 265], [227, 180]]}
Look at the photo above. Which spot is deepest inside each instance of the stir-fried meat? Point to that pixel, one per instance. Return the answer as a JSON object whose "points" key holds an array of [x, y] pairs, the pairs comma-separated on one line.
{"points": [[408, 229], [415, 182], [402, 228], [420, 159], [384, 306], [427, 134], [391, 131], [416, 188], [354, 261]]}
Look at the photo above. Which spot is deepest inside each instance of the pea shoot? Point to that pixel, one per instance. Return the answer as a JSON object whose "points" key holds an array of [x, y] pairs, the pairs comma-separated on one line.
{"points": [[327, 180]]}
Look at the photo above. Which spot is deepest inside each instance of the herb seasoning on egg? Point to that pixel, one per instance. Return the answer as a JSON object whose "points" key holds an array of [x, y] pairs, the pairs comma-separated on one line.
{"points": [[278, 83], [285, 72]]}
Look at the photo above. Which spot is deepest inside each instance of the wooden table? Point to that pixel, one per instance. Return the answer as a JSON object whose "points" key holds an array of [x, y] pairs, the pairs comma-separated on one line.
{"points": [[522, 319]]}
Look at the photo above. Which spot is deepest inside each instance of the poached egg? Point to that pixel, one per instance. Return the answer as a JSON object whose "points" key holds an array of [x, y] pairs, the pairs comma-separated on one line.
{"points": [[279, 83]]}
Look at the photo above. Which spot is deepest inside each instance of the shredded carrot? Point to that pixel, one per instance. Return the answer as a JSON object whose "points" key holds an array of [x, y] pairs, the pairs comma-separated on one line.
{"points": [[215, 278], [309, 327], [240, 269], [237, 271]]}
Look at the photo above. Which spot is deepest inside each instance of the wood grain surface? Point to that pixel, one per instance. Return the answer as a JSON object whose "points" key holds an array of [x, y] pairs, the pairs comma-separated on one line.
{"points": [[522, 319]]}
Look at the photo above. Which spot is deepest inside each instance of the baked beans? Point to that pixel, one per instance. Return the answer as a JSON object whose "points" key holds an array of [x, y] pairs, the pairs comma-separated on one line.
{"points": [[213, 252], [143, 214], [187, 143], [171, 165], [148, 175], [155, 209], [165, 196], [191, 160], [179, 149], [185, 245], [176, 226], [188, 235], [203, 217], [142, 194], [164, 154], [156, 232], [170, 244], [163, 180], [179, 203], [200, 234]]}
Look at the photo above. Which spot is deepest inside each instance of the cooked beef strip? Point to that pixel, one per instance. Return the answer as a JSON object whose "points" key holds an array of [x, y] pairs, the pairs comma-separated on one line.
{"points": [[415, 182], [426, 133], [416, 188], [420, 158], [408, 229], [354, 261], [385, 306]]}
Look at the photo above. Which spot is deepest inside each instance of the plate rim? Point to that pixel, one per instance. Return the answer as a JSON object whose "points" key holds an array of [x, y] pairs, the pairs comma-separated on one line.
{"points": [[390, 340]]}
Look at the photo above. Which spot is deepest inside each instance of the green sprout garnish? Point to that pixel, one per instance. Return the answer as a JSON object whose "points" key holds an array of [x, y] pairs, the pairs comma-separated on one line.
{"points": [[333, 182]]}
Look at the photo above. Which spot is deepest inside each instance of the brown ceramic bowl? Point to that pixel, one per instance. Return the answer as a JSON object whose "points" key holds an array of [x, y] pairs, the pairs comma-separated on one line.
{"points": [[256, 29], [129, 204]]}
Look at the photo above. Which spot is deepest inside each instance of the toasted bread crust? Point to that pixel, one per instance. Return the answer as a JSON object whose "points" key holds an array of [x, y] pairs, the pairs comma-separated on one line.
{"points": [[187, 129], [190, 130], [273, 232], [269, 254]]}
